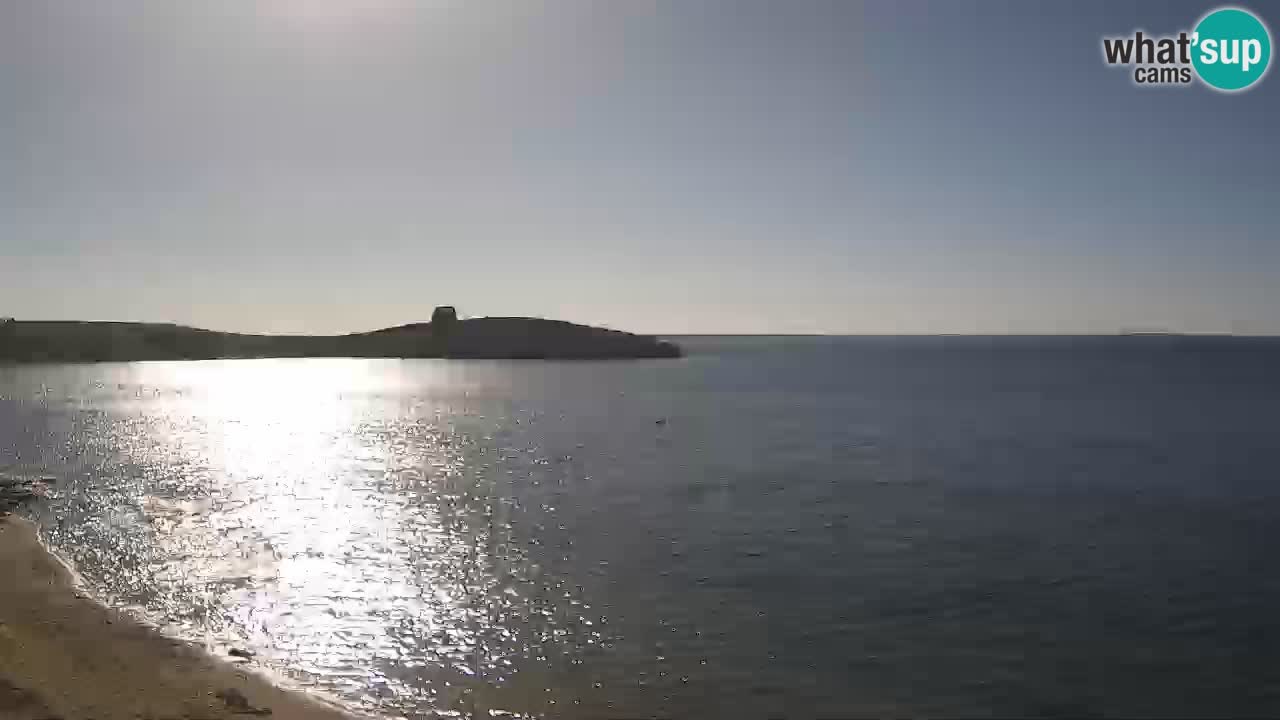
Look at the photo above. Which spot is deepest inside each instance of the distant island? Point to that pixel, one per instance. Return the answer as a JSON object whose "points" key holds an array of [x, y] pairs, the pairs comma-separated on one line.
{"points": [[445, 336]]}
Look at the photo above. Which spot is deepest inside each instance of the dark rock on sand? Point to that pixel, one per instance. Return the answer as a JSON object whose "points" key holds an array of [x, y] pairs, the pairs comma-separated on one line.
{"points": [[14, 492], [238, 703]]}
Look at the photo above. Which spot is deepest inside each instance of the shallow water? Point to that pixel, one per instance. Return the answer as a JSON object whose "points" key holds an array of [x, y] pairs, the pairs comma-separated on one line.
{"points": [[796, 525]]}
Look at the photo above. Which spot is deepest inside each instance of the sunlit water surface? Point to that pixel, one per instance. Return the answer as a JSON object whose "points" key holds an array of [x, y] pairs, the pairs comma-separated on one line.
{"points": [[799, 526]]}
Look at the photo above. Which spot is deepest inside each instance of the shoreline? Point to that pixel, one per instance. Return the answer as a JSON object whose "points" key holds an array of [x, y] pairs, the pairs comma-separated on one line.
{"points": [[64, 655]]}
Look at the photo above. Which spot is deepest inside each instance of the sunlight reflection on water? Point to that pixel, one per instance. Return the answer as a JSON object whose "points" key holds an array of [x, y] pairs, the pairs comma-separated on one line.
{"points": [[327, 516], [821, 527]]}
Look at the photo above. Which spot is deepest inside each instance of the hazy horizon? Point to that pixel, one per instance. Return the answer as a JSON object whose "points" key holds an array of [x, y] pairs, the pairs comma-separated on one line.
{"points": [[1063, 334], [744, 167]]}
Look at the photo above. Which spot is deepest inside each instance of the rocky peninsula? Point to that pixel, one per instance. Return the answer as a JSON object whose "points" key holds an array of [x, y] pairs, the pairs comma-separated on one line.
{"points": [[445, 336]]}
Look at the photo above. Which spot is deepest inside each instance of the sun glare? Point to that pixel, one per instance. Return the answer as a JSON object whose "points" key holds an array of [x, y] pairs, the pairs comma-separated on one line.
{"points": [[332, 13]]}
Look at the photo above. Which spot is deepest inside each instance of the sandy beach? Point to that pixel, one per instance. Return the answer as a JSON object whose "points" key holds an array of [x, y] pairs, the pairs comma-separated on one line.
{"points": [[63, 655]]}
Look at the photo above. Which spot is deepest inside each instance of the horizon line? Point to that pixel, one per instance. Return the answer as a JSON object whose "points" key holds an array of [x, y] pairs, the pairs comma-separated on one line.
{"points": [[766, 334]]}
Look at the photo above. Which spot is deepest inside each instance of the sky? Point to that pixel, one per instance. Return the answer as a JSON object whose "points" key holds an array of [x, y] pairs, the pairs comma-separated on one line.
{"points": [[706, 166]]}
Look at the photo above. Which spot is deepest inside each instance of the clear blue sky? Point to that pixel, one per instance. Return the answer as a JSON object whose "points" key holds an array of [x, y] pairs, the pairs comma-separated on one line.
{"points": [[747, 166]]}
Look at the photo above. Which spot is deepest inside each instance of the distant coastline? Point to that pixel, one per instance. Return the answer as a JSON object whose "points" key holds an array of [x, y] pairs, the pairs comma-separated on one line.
{"points": [[444, 337]]}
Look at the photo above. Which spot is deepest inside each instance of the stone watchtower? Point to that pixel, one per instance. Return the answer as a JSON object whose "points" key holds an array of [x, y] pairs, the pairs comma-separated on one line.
{"points": [[443, 319]]}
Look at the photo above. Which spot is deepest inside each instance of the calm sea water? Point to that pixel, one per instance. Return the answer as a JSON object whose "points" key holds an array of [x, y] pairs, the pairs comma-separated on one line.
{"points": [[770, 526]]}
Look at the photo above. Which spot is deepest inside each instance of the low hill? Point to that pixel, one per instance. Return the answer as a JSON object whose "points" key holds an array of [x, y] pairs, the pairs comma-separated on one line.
{"points": [[444, 337]]}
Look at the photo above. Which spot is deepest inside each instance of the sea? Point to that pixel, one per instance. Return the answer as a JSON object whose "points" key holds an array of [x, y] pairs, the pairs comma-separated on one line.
{"points": [[767, 527]]}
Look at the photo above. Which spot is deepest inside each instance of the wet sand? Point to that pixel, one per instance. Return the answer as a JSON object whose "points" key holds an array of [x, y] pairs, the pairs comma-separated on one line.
{"points": [[62, 655]]}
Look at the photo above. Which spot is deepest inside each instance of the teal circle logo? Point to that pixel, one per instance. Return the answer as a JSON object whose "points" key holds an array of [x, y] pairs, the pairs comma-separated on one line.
{"points": [[1231, 49]]}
